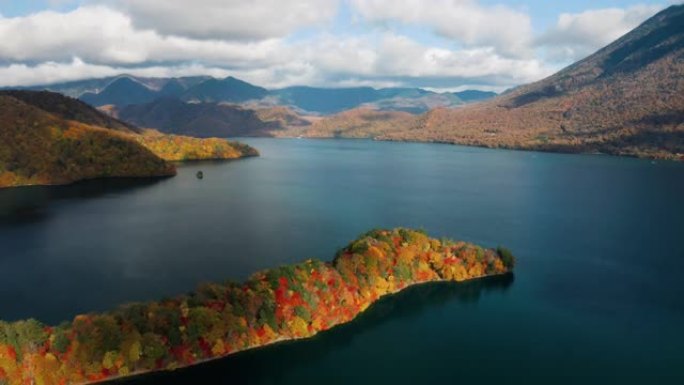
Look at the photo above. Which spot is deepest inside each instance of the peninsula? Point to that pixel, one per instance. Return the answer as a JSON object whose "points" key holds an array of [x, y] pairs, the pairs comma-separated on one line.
{"points": [[284, 303], [48, 138]]}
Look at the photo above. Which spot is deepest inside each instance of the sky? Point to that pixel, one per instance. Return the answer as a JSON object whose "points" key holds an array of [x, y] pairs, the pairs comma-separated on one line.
{"points": [[443, 45]]}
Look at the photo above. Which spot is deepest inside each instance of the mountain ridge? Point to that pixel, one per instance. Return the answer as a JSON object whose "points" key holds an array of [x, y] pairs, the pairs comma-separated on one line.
{"points": [[48, 138], [625, 99], [306, 99], [37, 147]]}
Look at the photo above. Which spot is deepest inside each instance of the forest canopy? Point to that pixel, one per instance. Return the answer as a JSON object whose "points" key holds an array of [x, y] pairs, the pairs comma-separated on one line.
{"points": [[286, 302]]}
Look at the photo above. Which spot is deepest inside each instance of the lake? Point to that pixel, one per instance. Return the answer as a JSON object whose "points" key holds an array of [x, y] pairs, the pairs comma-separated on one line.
{"points": [[597, 296]]}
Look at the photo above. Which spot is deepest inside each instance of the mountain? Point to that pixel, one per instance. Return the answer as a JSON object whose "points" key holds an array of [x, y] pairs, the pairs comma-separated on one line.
{"points": [[39, 147], [49, 138], [173, 116], [413, 100], [326, 100], [279, 118], [229, 89], [625, 99], [77, 88], [127, 90], [416, 104], [471, 96], [69, 109], [121, 91], [173, 88], [362, 122]]}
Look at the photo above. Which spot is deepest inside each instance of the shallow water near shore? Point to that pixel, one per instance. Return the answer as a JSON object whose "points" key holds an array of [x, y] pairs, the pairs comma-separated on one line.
{"points": [[597, 295]]}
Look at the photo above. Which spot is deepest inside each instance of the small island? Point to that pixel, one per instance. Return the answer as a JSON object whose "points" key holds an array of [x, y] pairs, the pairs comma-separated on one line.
{"points": [[284, 303]]}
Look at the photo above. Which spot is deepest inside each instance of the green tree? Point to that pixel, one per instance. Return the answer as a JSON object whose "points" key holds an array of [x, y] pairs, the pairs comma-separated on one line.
{"points": [[506, 257]]}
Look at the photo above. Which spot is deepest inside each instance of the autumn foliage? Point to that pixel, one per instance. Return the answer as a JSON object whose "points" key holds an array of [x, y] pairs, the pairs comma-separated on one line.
{"points": [[37, 147], [287, 302], [181, 148], [47, 138], [625, 99]]}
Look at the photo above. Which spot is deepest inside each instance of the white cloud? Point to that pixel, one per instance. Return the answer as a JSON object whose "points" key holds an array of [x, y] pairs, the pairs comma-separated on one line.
{"points": [[101, 35], [577, 35], [385, 60], [398, 56], [228, 19], [465, 21], [107, 42], [76, 69], [496, 49]]}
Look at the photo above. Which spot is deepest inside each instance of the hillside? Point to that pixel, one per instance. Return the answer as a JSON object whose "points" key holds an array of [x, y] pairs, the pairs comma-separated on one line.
{"points": [[229, 89], [335, 100], [280, 118], [283, 303], [94, 86], [470, 96], [173, 116], [626, 99], [361, 122], [69, 108], [177, 148], [48, 138], [326, 100], [121, 92], [37, 147]]}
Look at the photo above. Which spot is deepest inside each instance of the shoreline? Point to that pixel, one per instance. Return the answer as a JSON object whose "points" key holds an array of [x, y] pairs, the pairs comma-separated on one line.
{"points": [[289, 339], [285, 303], [669, 157], [173, 163]]}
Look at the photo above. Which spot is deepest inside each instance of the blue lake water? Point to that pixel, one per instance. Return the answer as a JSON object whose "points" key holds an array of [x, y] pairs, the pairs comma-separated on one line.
{"points": [[597, 296]]}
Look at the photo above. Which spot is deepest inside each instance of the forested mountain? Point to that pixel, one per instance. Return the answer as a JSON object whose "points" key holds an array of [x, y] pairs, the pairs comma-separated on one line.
{"points": [[69, 108], [37, 147], [173, 116], [49, 138], [121, 91], [94, 86], [229, 89], [474, 95], [125, 90], [627, 98]]}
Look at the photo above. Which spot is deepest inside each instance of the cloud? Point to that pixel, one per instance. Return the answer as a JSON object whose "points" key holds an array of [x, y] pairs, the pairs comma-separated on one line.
{"points": [[77, 69], [399, 58], [228, 19], [577, 35], [106, 41], [465, 21], [101, 35], [385, 60], [103, 38]]}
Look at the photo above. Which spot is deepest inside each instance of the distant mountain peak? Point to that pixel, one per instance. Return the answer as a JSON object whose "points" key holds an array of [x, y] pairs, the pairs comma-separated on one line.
{"points": [[655, 38]]}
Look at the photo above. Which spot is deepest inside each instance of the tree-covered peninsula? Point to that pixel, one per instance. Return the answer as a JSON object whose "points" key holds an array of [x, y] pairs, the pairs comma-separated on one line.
{"points": [[288, 302], [47, 138]]}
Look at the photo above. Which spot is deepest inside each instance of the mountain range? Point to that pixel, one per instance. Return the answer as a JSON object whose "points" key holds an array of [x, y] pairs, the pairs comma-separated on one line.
{"points": [[125, 90], [626, 99]]}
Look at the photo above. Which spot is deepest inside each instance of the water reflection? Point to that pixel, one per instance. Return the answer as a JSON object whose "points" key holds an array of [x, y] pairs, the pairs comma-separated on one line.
{"points": [[250, 367], [31, 204]]}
